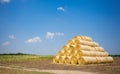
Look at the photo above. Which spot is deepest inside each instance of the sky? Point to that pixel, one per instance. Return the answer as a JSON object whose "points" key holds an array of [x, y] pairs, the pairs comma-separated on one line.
{"points": [[43, 26]]}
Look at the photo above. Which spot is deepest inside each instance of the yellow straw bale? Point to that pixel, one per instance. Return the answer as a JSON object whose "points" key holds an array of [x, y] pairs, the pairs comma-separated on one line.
{"points": [[77, 38], [99, 49], [60, 53], [96, 44], [109, 59], [71, 42], [88, 43], [83, 47], [101, 59], [88, 38], [100, 54], [84, 53], [65, 47], [83, 38], [70, 52], [73, 47], [93, 60], [62, 59], [104, 59], [56, 59], [92, 43], [87, 60], [67, 61], [73, 60], [93, 53], [76, 52], [105, 53]]}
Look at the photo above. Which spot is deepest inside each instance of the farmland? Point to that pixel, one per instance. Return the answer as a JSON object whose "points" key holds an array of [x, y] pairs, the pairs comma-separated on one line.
{"points": [[20, 58], [21, 63]]}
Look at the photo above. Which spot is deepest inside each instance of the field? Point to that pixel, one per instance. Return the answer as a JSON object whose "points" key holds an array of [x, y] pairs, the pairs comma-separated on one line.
{"points": [[32, 64]]}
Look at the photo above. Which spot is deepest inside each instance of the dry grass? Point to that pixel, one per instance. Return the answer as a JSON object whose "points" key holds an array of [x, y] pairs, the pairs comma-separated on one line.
{"points": [[19, 58]]}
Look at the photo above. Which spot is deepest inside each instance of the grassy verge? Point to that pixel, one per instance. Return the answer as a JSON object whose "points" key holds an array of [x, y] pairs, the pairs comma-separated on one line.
{"points": [[12, 71], [18, 58]]}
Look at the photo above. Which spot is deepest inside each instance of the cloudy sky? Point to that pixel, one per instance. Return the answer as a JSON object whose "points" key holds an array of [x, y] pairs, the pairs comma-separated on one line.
{"points": [[44, 26]]}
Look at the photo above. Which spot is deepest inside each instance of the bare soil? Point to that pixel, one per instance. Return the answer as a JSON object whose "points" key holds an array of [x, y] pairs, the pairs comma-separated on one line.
{"points": [[46, 64]]}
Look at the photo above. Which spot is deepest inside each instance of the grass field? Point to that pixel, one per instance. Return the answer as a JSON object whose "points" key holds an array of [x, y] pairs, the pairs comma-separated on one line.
{"points": [[19, 58]]}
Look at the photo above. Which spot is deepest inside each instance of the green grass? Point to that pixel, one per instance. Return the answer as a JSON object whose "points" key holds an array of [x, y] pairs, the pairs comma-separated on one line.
{"points": [[18, 58], [13, 71]]}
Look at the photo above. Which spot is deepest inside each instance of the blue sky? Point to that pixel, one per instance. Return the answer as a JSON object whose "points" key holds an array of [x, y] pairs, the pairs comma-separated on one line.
{"points": [[44, 26]]}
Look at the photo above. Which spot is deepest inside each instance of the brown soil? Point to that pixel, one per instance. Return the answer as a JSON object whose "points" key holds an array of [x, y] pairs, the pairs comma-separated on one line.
{"points": [[111, 68]]}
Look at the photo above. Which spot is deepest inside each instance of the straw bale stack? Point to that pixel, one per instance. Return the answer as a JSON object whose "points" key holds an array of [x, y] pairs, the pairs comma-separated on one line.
{"points": [[82, 50]]}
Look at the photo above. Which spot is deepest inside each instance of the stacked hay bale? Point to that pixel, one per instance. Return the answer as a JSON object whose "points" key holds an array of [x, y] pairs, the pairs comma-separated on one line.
{"points": [[82, 50]]}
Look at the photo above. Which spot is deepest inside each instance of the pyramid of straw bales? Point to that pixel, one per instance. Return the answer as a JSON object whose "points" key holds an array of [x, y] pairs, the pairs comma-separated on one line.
{"points": [[82, 50]]}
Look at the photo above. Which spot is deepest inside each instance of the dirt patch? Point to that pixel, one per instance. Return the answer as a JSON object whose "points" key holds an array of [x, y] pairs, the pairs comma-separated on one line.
{"points": [[111, 68], [49, 71]]}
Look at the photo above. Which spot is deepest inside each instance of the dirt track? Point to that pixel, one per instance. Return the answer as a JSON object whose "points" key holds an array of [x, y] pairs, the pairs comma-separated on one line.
{"points": [[112, 68], [49, 71]]}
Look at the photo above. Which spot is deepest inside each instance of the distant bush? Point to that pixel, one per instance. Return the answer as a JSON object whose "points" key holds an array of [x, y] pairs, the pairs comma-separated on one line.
{"points": [[15, 54], [115, 55]]}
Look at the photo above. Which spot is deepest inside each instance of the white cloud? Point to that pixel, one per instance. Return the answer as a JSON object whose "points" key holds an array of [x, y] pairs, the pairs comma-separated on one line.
{"points": [[34, 40], [60, 9], [58, 33], [5, 1], [50, 35], [6, 43], [12, 37]]}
